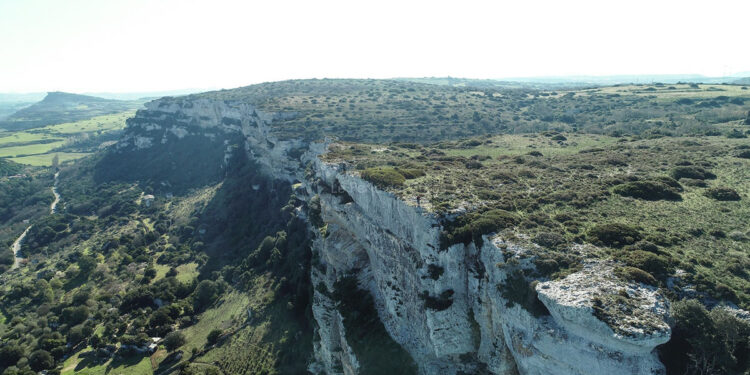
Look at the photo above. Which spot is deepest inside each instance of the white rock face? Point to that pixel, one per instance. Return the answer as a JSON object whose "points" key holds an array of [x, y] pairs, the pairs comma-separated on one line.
{"points": [[211, 117], [389, 246]]}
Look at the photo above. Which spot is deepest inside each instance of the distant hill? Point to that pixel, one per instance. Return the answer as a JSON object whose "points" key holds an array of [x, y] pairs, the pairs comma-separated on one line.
{"points": [[60, 107], [572, 82]]}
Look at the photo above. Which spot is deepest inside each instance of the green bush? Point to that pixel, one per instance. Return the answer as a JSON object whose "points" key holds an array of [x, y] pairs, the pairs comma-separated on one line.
{"points": [[410, 173], [693, 182], [635, 274], [174, 340], [706, 342], [722, 194], [518, 290], [694, 172], [736, 134], [383, 177], [471, 227], [744, 154], [439, 303], [648, 190], [548, 239], [213, 336], [614, 235], [654, 264]]}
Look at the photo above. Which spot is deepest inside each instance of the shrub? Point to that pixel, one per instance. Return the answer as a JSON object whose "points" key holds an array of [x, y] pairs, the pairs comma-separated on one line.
{"points": [[694, 172], [473, 164], [704, 342], [410, 173], [722, 194], [472, 226], [736, 134], [647, 261], [548, 239], [41, 360], [434, 271], [517, 289], [614, 234], [439, 303], [694, 182], [671, 182], [738, 236], [635, 274], [383, 177], [213, 336], [744, 154], [648, 190], [174, 340]]}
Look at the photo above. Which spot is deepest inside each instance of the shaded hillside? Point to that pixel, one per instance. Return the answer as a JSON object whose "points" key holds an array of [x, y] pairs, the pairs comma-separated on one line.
{"points": [[60, 107]]}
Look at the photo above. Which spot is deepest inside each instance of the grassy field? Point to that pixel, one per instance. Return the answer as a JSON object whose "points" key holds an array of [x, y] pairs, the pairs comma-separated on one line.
{"points": [[84, 362], [43, 160], [68, 141]]}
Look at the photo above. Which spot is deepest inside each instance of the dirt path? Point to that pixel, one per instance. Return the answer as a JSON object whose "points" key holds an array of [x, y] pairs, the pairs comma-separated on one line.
{"points": [[53, 206], [17, 248], [17, 256]]}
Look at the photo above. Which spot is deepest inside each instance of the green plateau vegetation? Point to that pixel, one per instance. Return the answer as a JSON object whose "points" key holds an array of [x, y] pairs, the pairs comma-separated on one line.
{"points": [[655, 203], [378, 111], [657, 176], [43, 146]]}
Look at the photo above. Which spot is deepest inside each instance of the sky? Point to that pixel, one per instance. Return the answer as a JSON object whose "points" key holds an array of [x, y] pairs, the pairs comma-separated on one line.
{"points": [[153, 45]]}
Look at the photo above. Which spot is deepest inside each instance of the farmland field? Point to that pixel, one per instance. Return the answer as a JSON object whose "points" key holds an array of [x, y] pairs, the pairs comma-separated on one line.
{"points": [[67, 141]]}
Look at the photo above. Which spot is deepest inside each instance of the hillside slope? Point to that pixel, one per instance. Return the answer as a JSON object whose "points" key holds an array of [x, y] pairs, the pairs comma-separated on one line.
{"points": [[244, 227], [60, 107]]}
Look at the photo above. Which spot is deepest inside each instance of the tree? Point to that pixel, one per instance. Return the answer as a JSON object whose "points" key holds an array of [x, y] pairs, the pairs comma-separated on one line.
{"points": [[41, 360], [206, 293], [174, 340], [10, 354], [86, 264], [213, 336], [55, 161]]}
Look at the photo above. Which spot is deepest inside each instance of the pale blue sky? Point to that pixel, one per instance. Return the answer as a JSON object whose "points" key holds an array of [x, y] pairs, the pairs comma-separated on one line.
{"points": [[144, 45]]}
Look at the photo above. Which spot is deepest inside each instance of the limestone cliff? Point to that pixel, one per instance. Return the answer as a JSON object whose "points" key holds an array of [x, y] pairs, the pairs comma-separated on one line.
{"points": [[449, 308]]}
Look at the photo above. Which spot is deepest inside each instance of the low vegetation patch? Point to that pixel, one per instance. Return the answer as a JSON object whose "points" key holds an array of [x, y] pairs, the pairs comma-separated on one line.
{"points": [[723, 194], [648, 190], [706, 342], [518, 290], [471, 227], [635, 274], [693, 172], [614, 234], [383, 177]]}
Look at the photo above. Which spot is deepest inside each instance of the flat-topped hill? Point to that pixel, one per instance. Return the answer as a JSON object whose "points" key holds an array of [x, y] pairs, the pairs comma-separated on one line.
{"points": [[61, 107]]}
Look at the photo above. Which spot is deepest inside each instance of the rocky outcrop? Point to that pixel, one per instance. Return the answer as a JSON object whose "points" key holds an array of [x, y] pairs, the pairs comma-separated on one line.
{"points": [[449, 308]]}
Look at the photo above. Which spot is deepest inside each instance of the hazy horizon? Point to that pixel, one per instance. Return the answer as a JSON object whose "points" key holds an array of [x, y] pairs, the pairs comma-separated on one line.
{"points": [[85, 46]]}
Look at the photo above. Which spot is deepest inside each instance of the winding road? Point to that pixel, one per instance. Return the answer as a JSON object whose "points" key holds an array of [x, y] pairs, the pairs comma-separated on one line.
{"points": [[17, 244]]}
